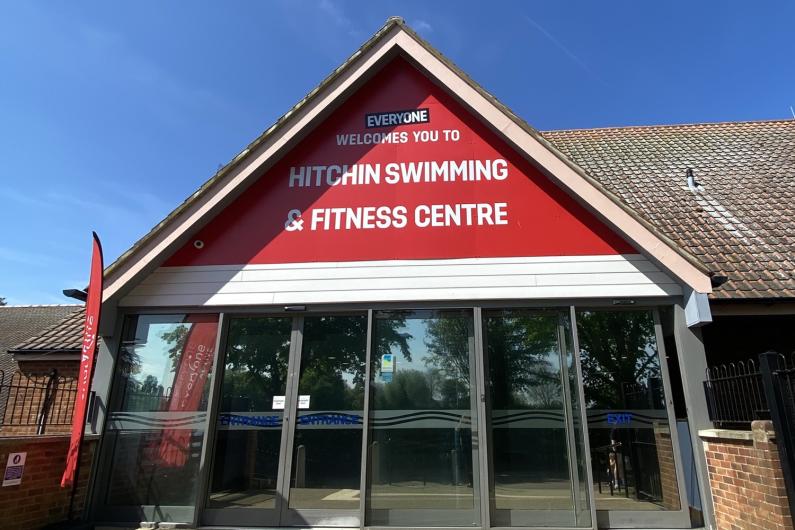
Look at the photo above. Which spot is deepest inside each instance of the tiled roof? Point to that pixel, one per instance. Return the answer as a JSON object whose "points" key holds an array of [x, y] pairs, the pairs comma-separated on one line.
{"points": [[20, 323], [740, 221], [65, 336]]}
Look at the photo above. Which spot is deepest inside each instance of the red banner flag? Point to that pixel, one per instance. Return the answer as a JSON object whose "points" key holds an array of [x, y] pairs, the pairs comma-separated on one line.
{"points": [[195, 363], [90, 330]]}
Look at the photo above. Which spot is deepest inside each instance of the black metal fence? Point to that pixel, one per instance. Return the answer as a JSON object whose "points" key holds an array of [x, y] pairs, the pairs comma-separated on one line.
{"points": [[736, 395], [740, 393], [36, 403]]}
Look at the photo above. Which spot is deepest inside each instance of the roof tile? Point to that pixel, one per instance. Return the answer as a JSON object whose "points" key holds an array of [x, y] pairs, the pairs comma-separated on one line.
{"points": [[741, 220]]}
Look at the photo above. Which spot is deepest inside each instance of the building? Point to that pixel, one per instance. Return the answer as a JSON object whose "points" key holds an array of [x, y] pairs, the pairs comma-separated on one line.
{"points": [[401, 306], [21, 323]]}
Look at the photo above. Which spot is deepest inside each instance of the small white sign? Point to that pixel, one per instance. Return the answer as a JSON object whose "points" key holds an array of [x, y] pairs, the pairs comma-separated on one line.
{"points": [[14, 468], [303, 402], [278, 403]]}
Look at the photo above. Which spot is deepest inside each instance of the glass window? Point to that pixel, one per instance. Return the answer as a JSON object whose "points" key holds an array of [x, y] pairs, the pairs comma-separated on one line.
{"points": [[628, 426], [422, 421], [156, 424]]}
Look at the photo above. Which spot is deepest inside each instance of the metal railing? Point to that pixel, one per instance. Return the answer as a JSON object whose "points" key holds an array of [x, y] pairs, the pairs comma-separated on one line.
{"points": [[37, 402], [739, 393], [735, 394]]}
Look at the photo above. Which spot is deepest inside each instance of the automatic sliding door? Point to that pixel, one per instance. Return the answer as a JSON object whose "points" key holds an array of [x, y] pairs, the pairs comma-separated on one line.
{"points": [[327, 442], [634, 450], [422, 456], [536, 455], [244, 485]]}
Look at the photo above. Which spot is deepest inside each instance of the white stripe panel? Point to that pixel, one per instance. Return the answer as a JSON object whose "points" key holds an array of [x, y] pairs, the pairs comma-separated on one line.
{"points": [[402, 280]]}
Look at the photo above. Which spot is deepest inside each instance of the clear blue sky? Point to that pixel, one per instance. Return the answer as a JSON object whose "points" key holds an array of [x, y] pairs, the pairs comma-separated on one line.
{"points": [[112, 113]]}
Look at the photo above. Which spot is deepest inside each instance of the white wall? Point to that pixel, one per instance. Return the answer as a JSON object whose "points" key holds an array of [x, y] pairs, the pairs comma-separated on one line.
{"points": [[385, 281]]}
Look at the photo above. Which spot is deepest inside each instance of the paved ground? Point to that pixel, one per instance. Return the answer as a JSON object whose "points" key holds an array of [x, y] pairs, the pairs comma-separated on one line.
{"points": [[548, 495]]}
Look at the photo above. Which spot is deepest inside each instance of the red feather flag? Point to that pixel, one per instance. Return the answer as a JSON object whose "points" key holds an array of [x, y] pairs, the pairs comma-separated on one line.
{"points": [[90, 330]]}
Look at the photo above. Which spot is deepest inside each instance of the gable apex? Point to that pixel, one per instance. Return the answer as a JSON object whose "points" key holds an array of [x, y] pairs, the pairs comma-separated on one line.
{"points": [[392, 39]]}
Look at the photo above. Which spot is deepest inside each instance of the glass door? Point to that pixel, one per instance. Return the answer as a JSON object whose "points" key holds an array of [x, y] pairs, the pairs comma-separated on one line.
{"points": [[149, 466], [247, 463], [633, 442], [422, 445], [326, 439], [536, 455], [287, 448]]}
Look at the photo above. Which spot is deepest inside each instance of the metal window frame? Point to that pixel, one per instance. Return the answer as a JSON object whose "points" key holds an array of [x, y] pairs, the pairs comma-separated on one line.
{"points": [[648, 518], [623, 519], [413, 518], [99, 511], [586, 447], [577, 482]]}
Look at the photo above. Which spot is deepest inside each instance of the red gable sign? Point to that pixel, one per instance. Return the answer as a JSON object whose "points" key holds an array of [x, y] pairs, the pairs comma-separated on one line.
{"points": [[399, 171]]}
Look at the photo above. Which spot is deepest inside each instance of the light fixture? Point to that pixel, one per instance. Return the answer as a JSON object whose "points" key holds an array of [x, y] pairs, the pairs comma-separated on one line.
{"points": [[77, 294]]}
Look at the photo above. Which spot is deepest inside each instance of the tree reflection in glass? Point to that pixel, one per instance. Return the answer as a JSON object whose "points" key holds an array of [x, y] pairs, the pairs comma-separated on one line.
{"points": [[631, 450], [246, 459], [421, 420], [327, 448], [529, 444]]}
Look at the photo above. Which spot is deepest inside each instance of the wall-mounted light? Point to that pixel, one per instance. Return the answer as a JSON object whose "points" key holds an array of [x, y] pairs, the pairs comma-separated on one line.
{"points": [[77, 294]]}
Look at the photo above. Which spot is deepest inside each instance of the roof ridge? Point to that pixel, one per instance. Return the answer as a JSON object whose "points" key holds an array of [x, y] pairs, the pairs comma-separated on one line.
{"points": [[670, 125]]}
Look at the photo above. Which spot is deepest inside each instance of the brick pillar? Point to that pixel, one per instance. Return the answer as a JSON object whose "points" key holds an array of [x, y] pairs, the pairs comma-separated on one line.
{"points": [[745, 476], [665, 461]]}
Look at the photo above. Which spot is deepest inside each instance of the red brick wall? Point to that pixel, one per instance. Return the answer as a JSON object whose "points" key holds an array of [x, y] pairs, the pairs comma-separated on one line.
{"points": [[39, 500], [27, 393], [665, 460], [745, 476]]}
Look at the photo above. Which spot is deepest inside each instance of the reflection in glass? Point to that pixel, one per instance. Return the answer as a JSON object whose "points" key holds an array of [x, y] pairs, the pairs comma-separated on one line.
{"points": [[531, 425], [246, 453], [420, 454], [631, 451], [327, 450], [155, 426]]}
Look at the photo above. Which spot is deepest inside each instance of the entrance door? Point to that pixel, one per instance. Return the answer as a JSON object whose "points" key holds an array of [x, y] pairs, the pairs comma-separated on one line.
{"points": [[322, 488], [634, 451], [536, 454], [422, 444], [247, 467], [287, 449]]}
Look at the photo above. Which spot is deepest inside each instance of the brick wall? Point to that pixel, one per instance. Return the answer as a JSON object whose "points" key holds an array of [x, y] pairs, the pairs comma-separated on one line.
{"points": [[27, 394], [665, 461], [39, 500], [745, 477]]}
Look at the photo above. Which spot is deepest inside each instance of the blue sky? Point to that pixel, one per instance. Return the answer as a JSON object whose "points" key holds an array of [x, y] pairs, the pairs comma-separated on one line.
{"points": [[111, 114]]}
